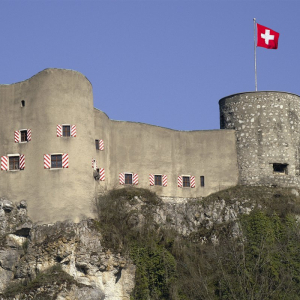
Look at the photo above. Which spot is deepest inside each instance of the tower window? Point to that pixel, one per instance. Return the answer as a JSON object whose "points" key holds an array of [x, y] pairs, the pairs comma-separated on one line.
{"points": [[157, 179], [56, 161], [14, 163], [280, 168], [66, 130], [23, 135], [22, 103], [97, 144], [202, 181], [128, 178], [186, 181]]}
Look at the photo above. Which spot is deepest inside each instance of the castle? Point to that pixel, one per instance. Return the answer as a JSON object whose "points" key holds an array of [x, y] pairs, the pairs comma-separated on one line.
{"points": [[58, 151]]}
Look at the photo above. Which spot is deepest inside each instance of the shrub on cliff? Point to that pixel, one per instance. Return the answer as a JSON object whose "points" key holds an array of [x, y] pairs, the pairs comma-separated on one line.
{"points": [[263, 262]]}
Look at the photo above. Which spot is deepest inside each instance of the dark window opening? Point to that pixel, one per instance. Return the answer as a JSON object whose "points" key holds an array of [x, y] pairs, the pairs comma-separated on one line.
{"points": [[186, 181], [202, 181], [96, 174], [157, 180], [128, 178], [23, 135], [56, 161], [14, 163], [280, 168], [22, 103], [97, 144], [66, 130]]}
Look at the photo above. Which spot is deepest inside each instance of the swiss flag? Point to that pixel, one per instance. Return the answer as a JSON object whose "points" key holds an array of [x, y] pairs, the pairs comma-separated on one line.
{"points": [[267, 37]]}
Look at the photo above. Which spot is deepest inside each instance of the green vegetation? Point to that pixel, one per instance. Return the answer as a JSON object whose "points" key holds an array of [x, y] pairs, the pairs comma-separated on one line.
{"points": [[263, 262], [47, 278]]}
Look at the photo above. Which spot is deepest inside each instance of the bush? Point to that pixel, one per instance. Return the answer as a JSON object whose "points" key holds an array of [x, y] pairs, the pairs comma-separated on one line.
{"points": [[263, 263], [52, 275]]}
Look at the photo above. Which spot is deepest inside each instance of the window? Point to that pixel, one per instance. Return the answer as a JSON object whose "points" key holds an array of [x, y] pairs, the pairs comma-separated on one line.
{"points": [[99, 174], [157, 180], [202, 181], [56, 161], [66, 131], [14, 162], [23, 135], [160, 180], [128, 178], [186, 181], [22, 103], [97, 144], [280, 169], [96, 174]]}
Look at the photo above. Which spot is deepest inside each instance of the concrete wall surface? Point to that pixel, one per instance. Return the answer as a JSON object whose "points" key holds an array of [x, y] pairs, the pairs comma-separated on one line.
{"points": [[145, 149], [51, 97]]}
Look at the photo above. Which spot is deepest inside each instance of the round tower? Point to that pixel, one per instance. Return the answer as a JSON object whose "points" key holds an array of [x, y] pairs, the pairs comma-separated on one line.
{"points": [[267, 136]]}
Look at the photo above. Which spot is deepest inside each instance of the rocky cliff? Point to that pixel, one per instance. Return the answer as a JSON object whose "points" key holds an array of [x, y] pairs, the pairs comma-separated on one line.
{"points": [[74, 261], [30, 253]]}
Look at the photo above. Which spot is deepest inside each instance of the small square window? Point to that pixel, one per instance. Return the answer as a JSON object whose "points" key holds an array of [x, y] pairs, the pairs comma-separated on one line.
{"points": [[128, 178], [23, 135], [186, 181], [202, 181], [14, 163], [56, 161], [97, 144], [280, 169], [157, 180], [66, 131]]}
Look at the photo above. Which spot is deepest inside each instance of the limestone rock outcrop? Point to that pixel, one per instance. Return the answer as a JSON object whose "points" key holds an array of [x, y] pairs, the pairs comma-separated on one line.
{"points": [[27, 251]]}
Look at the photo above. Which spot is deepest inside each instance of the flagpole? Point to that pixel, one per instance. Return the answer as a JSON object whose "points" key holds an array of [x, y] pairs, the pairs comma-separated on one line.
{"points": [[254, 22]]}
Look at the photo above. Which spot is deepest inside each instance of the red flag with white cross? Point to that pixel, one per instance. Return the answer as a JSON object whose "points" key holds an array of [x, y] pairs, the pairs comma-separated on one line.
{"points": [[267, 37]]}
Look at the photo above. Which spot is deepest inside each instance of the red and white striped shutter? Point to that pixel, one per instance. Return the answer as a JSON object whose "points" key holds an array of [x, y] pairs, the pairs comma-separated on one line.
{"points": [[151, 179], [28, 135], [58, 130], [101, 145], [122, 178], [22, 162], [179, 181], [65, 160], [47, 161], [165, 180], [135, 179], [102, 174], [4, 163], [193, 184], [17, 136], [73, 130]]}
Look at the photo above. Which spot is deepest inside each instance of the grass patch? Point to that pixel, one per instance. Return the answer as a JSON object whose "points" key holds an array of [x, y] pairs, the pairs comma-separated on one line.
{"points": [[49, 277], [272, 199]]}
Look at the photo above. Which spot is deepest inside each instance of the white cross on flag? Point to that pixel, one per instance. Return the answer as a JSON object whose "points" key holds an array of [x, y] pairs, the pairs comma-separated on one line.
{"points": [[267, 37]]}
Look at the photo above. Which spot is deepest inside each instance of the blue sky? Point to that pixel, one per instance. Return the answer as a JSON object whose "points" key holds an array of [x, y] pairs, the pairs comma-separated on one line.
{"points": [[165, 63]]}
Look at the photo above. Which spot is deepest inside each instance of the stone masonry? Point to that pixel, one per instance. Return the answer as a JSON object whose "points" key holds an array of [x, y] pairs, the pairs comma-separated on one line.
{"points": [[267, 136]]}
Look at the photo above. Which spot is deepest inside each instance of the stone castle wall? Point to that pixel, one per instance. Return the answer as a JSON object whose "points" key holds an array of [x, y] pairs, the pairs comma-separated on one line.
{"points": [[267, 136], [63, 98]]}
